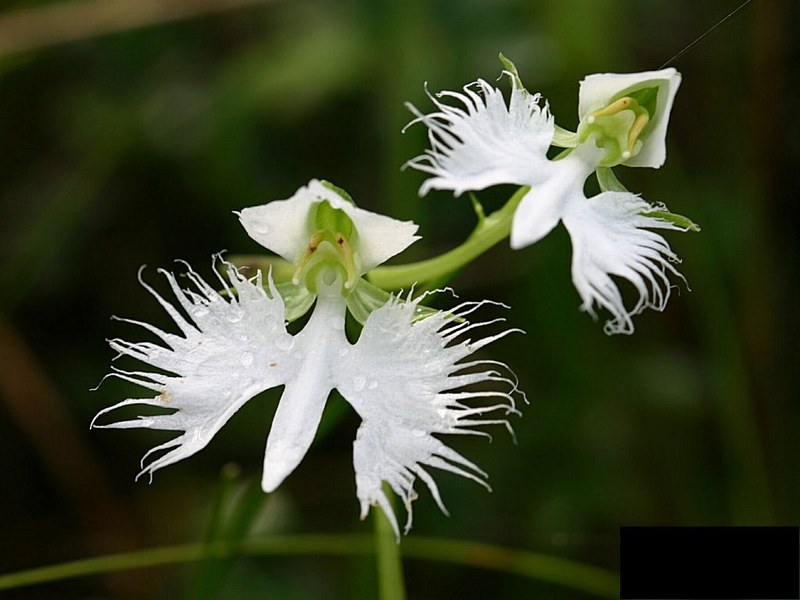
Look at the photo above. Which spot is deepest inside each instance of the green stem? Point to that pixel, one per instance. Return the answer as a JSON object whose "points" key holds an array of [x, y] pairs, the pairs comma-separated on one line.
{"points": [[489, 231], [387, 553], [551, 569]]}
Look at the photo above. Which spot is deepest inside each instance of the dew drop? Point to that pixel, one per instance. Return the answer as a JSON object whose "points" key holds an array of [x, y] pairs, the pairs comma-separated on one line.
{"points": [[359, 383], [344, 352], [261, 227], [247, 359], [373, 385], [284, 343]]}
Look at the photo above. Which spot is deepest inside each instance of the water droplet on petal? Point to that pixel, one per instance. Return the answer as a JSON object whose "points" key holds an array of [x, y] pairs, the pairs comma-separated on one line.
{"points": [[344, 352], [373, 385], [261, 227], [359, 383], [284, 343]]}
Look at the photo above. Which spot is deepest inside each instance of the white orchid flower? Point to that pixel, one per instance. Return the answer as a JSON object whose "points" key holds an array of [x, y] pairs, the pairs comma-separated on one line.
{"points": [[479, 141], [405, 377]]}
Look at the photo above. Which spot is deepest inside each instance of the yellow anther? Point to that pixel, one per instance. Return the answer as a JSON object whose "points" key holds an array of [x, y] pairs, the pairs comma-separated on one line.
{"points": [[349, 263], [613, 108], [326, 246], [639, 123], [313, 244]]}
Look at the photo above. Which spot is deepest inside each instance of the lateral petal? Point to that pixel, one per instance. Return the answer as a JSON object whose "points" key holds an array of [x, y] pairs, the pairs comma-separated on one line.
{"points": [[233, 347]]}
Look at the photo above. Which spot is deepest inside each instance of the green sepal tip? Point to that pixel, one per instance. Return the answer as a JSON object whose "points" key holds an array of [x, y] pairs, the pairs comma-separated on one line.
{"points": [[335, 188], [684, 223], [512, 70]]}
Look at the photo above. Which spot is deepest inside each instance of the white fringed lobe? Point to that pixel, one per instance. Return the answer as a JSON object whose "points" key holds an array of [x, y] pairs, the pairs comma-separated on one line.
{"points": [[610, 236], [232, 348], [482, 142], [412, 388], [407, 380]]}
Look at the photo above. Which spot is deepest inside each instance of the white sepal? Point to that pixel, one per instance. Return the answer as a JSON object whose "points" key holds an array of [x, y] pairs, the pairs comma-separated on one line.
{"points": [[285, 226], [481, 142], [601, 89], [406, 379], [611, 236], [232, 348]]}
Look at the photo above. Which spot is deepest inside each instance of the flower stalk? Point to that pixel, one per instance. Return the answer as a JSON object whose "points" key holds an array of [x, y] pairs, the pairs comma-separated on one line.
{"points": [[490, 230], [391, 583]]}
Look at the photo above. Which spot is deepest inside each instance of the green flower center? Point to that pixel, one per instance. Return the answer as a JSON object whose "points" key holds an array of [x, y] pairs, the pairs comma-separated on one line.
{"points": [[330, 247], [617, 127]]}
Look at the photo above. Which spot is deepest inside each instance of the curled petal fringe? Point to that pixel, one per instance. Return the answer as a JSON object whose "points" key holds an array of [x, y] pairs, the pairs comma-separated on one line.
{"points": [[427, 381], [611, 237], [479, 141], [221, 360]]}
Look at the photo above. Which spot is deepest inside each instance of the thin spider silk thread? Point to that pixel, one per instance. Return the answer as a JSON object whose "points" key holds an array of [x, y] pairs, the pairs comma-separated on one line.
{"points": [[706, 33]]}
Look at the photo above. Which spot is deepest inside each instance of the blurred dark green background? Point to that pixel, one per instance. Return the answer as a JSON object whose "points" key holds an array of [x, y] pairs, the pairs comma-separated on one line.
{"points": [[133, 147]]}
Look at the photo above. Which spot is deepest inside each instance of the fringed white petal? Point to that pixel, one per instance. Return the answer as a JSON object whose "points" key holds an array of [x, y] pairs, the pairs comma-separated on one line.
{"points": [[285, 226], [611, 237], [233, 347], [480, 142], [601, 89], [406, 380]]}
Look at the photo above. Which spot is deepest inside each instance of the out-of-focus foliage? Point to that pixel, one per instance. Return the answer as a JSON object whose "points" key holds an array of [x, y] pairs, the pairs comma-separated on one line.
{"points": [[134, 147]]}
